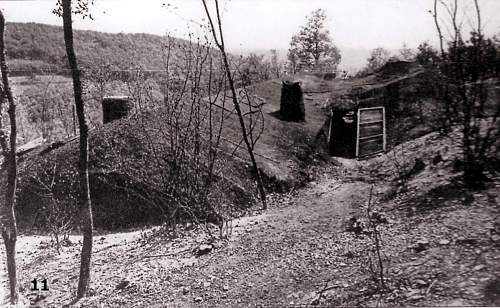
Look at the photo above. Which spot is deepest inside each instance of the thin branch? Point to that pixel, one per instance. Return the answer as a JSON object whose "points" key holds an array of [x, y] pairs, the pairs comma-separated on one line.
{"points": [[478, 13]]}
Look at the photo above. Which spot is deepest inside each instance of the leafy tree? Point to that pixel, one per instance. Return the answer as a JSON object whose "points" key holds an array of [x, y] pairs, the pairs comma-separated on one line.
{"points": [[406, 53], [378, 57], [254, 68], [426, 54], [312, 47]]}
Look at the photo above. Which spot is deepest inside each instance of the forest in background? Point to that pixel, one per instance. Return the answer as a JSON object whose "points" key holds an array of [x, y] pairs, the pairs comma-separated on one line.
{"points": [[40, 48]]}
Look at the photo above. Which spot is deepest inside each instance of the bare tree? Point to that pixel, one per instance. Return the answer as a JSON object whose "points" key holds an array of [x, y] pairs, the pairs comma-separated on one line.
{"points": [[100, 75], [179, 162], [40, 107], [83, 171], [219, 42], [57, 212], [468, 69], [438, 27], [8, 147]]}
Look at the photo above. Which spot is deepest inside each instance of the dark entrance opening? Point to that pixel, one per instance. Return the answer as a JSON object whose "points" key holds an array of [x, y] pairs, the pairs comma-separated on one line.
{"points": [[292, 102], [115, 107], [342, 141]]}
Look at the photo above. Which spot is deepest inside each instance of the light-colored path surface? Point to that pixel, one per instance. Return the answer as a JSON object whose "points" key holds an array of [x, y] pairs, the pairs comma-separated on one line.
{"points": [[280, 256]]}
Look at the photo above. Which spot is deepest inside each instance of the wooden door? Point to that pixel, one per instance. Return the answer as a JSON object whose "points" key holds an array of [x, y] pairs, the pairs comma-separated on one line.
{"points": [[371, 135]]}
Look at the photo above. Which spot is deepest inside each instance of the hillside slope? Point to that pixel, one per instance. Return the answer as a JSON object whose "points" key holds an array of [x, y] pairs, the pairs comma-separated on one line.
{"points": [[34, 46]]}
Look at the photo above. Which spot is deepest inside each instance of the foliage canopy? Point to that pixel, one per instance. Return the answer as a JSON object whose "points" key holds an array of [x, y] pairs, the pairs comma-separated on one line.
{"points": [[312, 47]]}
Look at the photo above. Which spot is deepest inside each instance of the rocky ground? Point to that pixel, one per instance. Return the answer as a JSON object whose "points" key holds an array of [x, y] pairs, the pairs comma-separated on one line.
{"points": [[439, 244]]}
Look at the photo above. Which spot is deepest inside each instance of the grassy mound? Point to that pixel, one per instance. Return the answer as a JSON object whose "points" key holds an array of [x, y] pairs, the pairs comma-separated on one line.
{"points": [[125, 181]]}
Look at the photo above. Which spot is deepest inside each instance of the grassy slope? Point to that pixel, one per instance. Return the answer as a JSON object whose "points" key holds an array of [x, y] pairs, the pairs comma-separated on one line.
{"points": [[284, 147]]}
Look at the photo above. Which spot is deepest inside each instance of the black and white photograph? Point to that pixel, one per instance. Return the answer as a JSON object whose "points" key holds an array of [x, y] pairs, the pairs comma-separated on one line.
{"points": [[249, 153]]}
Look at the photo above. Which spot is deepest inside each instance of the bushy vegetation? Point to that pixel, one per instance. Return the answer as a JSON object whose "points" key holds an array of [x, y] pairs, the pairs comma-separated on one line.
{"points": [[380, 56], [254, 68]]}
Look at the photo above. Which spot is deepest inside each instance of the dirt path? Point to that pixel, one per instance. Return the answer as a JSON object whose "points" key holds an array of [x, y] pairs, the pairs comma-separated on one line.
{"points": [[279, 257], [285, 256]]}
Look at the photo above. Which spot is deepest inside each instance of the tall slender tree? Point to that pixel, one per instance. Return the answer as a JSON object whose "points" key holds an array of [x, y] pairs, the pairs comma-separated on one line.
{"points": [[83, 168], [216, 29], [9, 165]]}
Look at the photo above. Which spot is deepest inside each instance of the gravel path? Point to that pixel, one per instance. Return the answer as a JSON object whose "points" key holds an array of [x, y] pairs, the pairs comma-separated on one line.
{"points": [[282, 256]]}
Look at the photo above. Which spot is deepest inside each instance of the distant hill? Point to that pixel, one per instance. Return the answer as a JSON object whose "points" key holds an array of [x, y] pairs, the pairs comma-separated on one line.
{"points": [[32, 46]]}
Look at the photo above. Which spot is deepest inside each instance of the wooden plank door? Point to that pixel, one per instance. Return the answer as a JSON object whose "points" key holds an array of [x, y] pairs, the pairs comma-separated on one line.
{"points": [[371, 135]]}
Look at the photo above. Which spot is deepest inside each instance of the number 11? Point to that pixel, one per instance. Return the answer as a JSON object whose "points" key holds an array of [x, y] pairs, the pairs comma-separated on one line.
{"points": [[35, 287]]}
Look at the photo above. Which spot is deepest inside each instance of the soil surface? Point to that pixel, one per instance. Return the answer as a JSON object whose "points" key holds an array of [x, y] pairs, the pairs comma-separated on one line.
{"points": [[276, 257], [439, 245]]}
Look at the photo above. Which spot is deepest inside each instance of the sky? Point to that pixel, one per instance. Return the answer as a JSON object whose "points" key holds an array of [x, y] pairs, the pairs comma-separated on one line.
{"points": [[264, 24]]}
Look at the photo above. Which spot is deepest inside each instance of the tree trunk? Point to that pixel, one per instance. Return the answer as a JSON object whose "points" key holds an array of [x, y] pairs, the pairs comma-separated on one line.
{"points": [[438, 28], [8, 218], [220, 45], [83, 172], [260, 184]]}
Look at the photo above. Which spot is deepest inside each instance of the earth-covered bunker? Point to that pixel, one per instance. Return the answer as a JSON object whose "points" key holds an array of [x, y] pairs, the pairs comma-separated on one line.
{"points": [[396, 104]]}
